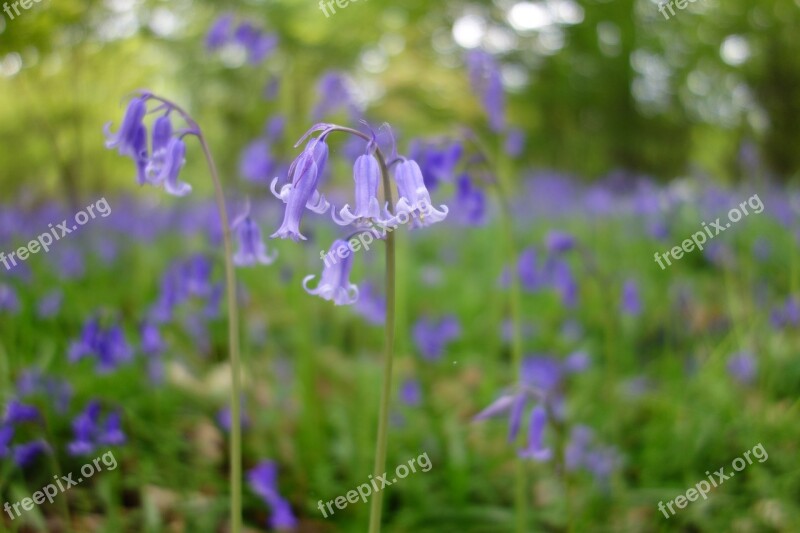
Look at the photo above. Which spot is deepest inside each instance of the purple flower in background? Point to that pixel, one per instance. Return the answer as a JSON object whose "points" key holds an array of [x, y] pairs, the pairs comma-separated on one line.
{"points": [[128, 140], [18, 413], [89, 432], [263, 480], [582, 452], [50, 304], [631, 302], [335, 282], [334, 95], [256, 163], [431, 338], [742, 366], [220, 32], [484, 75], [543, 373], [371, 305], [576, 362], [32, 382], [411, 392], [151, 342], [8, 299], [252, 250], [259, 45], [437, 160], [786, 315], [224, 418], [529, 275], [515, 142], [536, 449], [107, 345], [559, 242], [563, 281], [25, 454], [6, 435], [111, 432], [470, 202]]}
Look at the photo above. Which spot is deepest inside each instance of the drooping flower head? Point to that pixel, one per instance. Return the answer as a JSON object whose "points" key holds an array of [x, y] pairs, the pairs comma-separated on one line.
{"points": [[367, 177], [414, 198], [159, 160], [334, 284], [252, 249]]}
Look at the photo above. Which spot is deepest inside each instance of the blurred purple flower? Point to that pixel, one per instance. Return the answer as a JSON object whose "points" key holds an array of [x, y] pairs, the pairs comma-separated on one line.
{"points": [[411, 392], [431, 338], [50, 304], [107, 345], [25, 454], [484, 75], [470, 202], [536, 449], [558, 242], [631, 302], [515, 142], [252, 250], [8, 299], [742, 366], [220, 32], [18, 413], [263, 480], [371, 305]]}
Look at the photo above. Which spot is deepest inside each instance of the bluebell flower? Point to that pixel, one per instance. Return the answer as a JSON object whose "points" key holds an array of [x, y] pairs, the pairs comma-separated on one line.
{"points": [[25, 454], [259, 45], [50, 304], [252, 249], [536, 449], [257, 163], [111, 432], [334, 95], [18, 413], [484, 74], [334, 284], [90, 432], [220, 32], [107, 345], [301, 191], [742, 366], [631, 303], [128, 140], [6, 435], [367, 176], [564, 282], [8, 299], [224, 418], [371, 305], [437, 160], [414, 198], [470, 201], [431, 338], [411, 392], [263, 480], [163, 165], [515, 142], [786, 315], [559, 242], [152, 344]]}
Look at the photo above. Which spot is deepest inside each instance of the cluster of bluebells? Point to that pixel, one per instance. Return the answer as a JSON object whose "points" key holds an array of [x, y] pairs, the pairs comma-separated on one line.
{"points": [[106, 345], [263, 480], [91, 430], [257, 43], [301, 192], [583, 452], [554, 271], [541, 384], [159, 155], [18, 415]]}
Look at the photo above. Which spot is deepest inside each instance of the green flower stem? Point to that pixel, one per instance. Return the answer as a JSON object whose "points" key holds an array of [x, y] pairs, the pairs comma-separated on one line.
{"points": [[233, 323], [233, 348]]}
